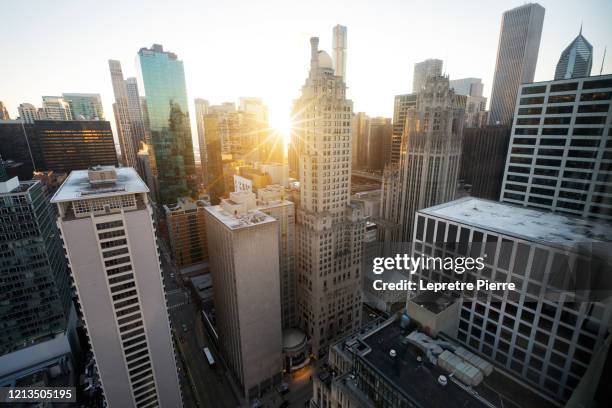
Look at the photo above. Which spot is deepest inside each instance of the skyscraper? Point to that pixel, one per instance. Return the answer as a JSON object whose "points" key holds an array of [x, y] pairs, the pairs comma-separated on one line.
{"points": [[163, 78], [201, 109], [244, 264], [215, 182], [431, 150], [38, 325], [135, 112], [560, 146], [379, 143], [56, 108], [339, 47], [517, 55], [329, 229], [85, 106], [4, 115], [424, 70], [106, 223], [467, 86], [576, 60], [401, 105], [361, 124], [127, 140], [28, 113]]}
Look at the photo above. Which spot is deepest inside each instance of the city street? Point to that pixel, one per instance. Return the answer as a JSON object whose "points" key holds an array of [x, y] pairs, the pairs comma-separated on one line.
{"points": [[202, 385]]}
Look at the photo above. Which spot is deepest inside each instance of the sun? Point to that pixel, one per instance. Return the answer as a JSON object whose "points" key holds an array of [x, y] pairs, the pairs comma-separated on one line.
{"points": [[280, 119]]}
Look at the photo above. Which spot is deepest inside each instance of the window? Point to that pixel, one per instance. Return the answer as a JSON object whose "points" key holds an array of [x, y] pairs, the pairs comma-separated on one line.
{"points": [[526, 131], [529, 90], [530, 111], [554, 131], [591, 120], [556, 110], [603, 107], [561, 98], [528, 121], [562, 120], [596, 96], [534, 100], [108, 225], [587, 131], [571, 86], [601, 83]]}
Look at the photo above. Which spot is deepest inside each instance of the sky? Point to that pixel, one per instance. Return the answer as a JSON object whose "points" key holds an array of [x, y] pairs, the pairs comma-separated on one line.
{"points": [[261, 48]]}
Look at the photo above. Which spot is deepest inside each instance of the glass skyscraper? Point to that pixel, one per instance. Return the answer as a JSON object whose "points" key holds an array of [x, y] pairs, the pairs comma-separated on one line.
{"points": [[163, 78], [35, 287], [576, 60]]}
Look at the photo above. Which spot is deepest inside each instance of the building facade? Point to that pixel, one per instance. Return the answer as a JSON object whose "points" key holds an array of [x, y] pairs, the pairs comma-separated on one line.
{"points": [[127, 140], [201, 109], [560, 155], [245, 269], [106, 223], [163, 78], [28, 113], [339, 47], [56, 108], [484, 177], [548, 329], [329, 230], [401, 105], [517, 55]]}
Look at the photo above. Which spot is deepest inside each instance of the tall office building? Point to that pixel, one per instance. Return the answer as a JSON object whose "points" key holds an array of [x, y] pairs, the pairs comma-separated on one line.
{"points": [[560, 149], [107, 227], [187, 231], [245, 270], [127, 140], [4, 115], [329, 229], [201, 109], [163, 78], [360, 125], [550, 329], [56, 108], [576, 60], [517, 56], [57, 145], [85, 106], [339, 46], [430, 68], [467, 86], [135, 112], [431, 151], [215, 182], [38, 325], [483, 160], [28, 113], [380, 136], [401, 105]]}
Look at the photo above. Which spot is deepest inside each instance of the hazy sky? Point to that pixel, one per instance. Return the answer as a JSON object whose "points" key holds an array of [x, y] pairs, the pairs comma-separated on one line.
{"points": [[261, 48]]}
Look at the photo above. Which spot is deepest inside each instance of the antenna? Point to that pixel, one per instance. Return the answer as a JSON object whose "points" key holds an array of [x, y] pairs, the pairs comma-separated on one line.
{"points": [[602, 60]]}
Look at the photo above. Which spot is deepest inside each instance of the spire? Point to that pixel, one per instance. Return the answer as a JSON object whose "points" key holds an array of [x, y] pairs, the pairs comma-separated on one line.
{"points": [[580, 33]]}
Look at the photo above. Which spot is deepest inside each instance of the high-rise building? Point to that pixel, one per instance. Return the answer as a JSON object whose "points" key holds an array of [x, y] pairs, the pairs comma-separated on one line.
{"points": [[244, 263], [187, 231], [201, 109], [56, 108], [576, 60], [517, 55], [360, 125], [4, 115], [483, 160], [431, 151], [57, 145], [85, 106], [430, 68], [379, 140], [38, 328], [163, 78], [549, 330], [560, 148], [401, 105], [28, 113], [467, 86], [107, 227], [329, 229], [127, 140], [135, 112], [339, 46], [215, 182]]}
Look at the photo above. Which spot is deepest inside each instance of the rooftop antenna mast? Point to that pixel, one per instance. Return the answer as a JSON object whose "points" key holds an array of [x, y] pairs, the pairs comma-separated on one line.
{"points": [[603, 60]]}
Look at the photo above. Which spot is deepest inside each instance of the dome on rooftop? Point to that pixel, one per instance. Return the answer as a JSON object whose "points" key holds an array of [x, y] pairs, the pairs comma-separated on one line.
{"points": [[325, 60]]}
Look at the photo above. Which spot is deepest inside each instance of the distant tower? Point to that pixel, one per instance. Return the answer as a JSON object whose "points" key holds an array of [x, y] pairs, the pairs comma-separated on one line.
{"points": [[56, 108], [339, 46], [424, 70], [517, 55], [576, 60], [127, 142]]}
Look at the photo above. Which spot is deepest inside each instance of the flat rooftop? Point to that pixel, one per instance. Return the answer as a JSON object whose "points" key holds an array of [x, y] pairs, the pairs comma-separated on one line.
{"points": [[435, 302], [249, 219], [522, 222], [78, 187], [418, 381]]}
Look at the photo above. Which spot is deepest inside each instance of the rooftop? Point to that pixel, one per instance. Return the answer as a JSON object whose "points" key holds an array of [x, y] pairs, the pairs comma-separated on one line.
{"points": [[417, 380], [522, 222], [78, 187], [234, 222]]}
